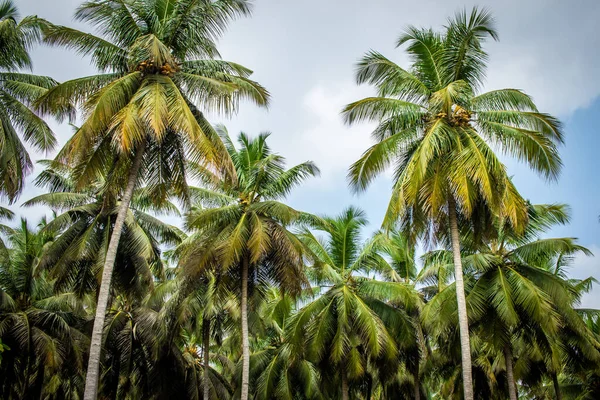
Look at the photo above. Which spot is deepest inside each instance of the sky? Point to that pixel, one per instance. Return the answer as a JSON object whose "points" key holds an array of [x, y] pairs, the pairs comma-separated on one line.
{"points": [[304, 53]]}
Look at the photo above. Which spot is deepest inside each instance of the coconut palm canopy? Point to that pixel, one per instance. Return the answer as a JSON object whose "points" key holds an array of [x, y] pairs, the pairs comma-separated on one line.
{"points": [[177, 260]]}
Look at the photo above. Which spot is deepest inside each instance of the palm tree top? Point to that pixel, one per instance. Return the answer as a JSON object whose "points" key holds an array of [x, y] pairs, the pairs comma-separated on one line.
{"points": [[149, 35], [16, 37], [258, 175]]}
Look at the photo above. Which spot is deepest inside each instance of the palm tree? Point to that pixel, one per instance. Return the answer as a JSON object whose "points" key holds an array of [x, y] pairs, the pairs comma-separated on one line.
{"points": [[39, 327], [347, 329], [281, 372], [244, 231], [206, 314], [18, 91], [157, 59], [437, 128], [514, 292], [515, 299]]}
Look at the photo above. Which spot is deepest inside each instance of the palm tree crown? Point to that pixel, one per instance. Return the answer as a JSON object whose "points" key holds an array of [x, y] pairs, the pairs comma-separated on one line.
{"points": [[159, 71], [347, 330], [438, 129]]}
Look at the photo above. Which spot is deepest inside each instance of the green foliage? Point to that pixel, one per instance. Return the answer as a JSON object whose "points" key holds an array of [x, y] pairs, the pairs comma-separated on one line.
{"points": [[253, 294]]}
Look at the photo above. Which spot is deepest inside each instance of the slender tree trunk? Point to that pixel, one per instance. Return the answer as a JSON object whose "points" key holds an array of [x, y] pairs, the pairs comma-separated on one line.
{"points": [[245, 340], [206, 356], [510, 377], [422, 351], [369, 387], [557, 392], [93, 368], [345, 388], [463, 321], [417, 386]]}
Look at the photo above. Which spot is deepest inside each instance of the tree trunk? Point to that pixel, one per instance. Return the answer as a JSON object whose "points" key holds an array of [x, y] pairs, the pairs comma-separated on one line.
{"points": [[417, 385], [345, 388], [557, 392], [463, 321], [369, 387], [245, 340], [510, 377], [93, 368], [206, 355]]}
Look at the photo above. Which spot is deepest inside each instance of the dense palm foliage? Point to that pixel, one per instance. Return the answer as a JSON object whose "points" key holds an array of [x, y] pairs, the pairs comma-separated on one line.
{"points": [[253, 299]]}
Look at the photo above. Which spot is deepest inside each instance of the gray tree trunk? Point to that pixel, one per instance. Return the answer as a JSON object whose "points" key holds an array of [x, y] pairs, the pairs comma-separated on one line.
{"points": [[93, 368], [206, 356], [245, 340], [510, 377], [417, 386], [557, 391], [345, 388], [463, 321]]}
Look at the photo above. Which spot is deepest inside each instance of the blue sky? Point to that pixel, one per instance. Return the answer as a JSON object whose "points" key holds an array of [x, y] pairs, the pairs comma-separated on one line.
{"points": [[304, 53]]}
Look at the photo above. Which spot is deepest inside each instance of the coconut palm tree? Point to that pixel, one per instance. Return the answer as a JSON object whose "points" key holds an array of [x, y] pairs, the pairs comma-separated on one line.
{"points": [[438, 128], [18, 91], [517, 303], [157, 59], [45, 349], [244, 229], [346, 329]]}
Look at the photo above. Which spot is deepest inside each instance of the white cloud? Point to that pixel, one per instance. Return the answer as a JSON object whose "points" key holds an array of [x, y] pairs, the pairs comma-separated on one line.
{"points": [[331, 144], [546, 50]]}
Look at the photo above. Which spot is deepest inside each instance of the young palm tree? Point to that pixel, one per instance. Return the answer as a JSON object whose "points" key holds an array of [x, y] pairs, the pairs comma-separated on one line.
{"points": [[18, 91], [438, 130], [346, 330], [244, 231], [40, 327], [157, 59], [281, 372], [399, 265]]}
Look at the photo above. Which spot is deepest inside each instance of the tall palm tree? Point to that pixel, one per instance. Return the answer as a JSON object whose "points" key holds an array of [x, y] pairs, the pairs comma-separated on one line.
{"points": [[157, 59], [346, 329], [438, 129], [244, 230], [41, 327], [18, 91]]}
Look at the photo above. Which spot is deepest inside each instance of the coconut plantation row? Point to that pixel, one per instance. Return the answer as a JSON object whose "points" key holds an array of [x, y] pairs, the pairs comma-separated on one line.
{"points": [[246, 297]]}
